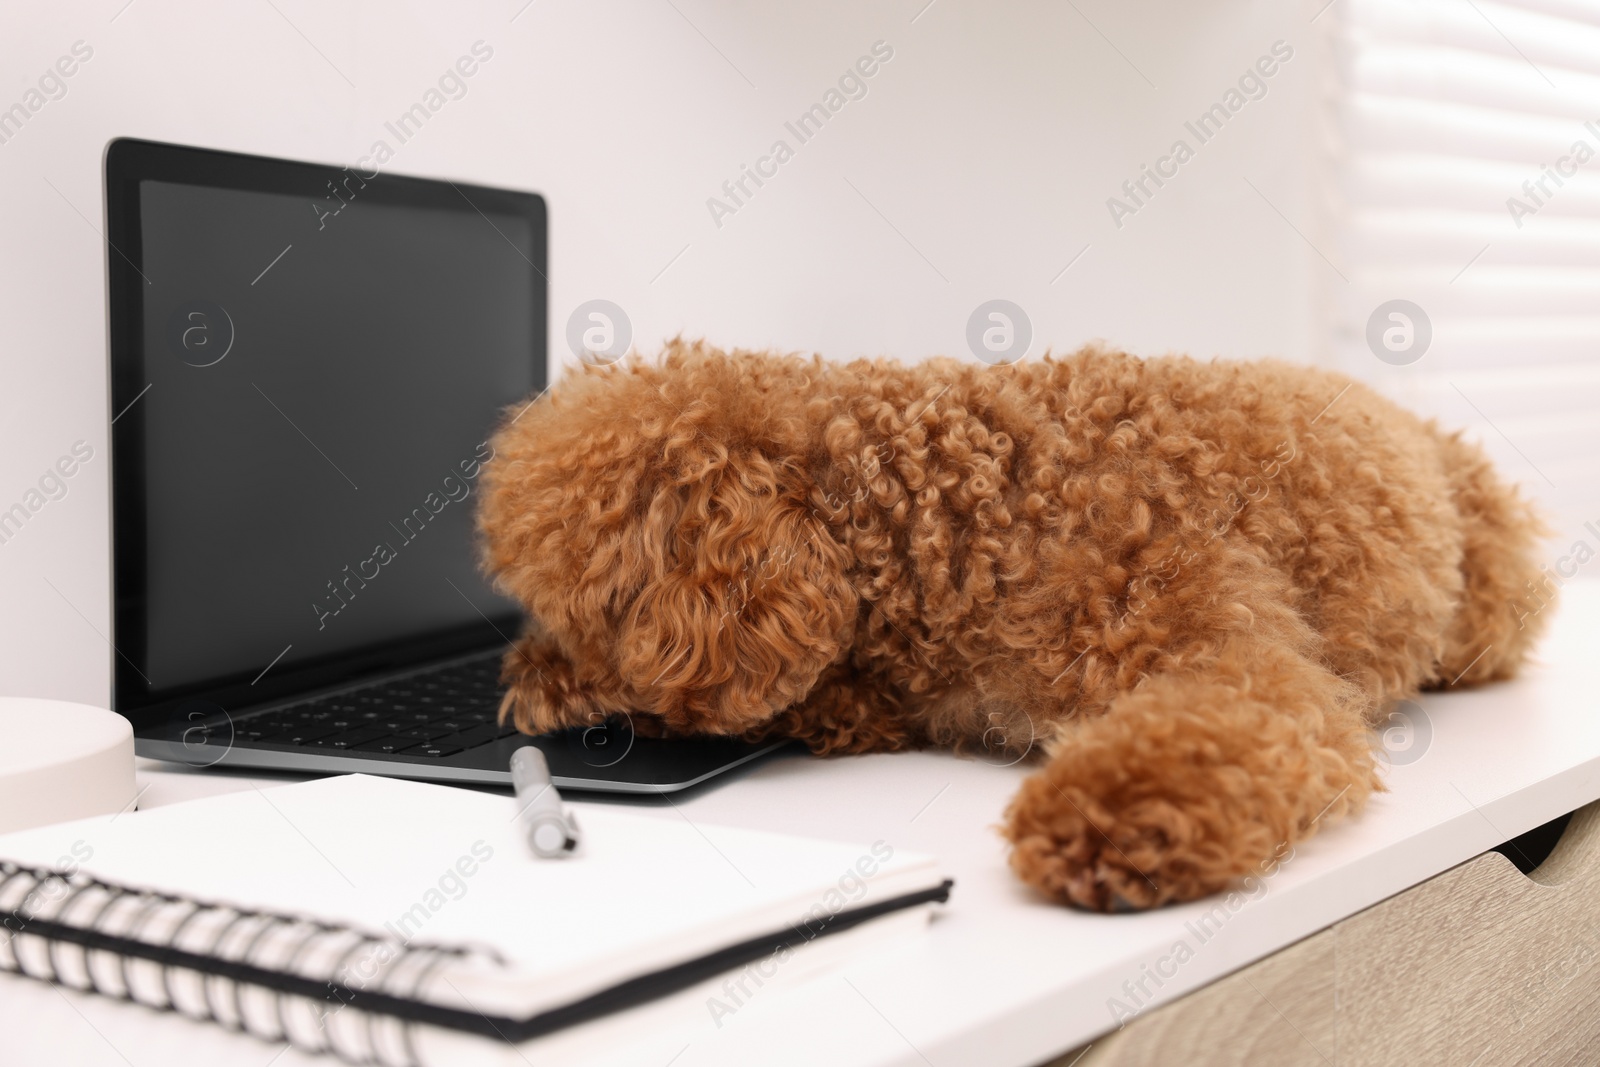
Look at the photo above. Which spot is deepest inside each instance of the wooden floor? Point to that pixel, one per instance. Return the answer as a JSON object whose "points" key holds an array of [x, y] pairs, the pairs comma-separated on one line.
{"points": [[1478, 967]]}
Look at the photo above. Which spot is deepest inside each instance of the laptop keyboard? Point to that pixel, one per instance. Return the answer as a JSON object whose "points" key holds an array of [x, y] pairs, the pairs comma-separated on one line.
{"points": [[432, 714]]}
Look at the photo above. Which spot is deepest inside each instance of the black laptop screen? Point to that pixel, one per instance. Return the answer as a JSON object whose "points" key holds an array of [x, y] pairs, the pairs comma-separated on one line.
{"points": [[320, 390]]}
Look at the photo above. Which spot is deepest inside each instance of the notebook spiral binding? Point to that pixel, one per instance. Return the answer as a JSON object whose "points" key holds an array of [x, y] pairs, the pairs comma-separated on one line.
{"points": [[283, 978]]}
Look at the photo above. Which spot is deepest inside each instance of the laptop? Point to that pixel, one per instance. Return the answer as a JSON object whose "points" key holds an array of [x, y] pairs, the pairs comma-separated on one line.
{"points": [[306, 365]]}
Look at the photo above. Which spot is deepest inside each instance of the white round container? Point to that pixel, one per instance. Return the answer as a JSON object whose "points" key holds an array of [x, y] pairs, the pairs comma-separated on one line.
{"points": [[61, 761]]}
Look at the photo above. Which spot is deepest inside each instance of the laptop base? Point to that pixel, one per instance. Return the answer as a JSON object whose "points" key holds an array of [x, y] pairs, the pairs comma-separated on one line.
{"points": [[650, 766]]}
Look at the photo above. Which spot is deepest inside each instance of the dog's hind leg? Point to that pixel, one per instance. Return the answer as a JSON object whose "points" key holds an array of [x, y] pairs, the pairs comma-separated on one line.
{"points": [[1507, 600], [1240, 743]]}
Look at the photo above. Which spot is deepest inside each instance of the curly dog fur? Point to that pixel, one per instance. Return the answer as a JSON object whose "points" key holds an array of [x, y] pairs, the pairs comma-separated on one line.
{"points": [[1191, 585]]}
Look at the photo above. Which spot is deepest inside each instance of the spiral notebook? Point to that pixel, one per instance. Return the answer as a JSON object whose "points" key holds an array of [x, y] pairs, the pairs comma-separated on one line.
{"points": [[368, 916]]}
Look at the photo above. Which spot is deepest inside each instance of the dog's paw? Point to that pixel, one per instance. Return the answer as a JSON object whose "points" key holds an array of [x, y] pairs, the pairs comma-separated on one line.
{"points": [[542, 693], [1111, 849], [1070, 847]]}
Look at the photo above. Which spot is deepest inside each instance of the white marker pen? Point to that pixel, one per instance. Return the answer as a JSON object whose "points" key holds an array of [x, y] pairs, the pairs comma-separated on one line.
{"points": [[552, 830]]}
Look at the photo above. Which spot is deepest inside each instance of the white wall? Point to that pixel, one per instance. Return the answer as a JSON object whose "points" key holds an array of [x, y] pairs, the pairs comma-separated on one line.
{"points": [[990, 142]]}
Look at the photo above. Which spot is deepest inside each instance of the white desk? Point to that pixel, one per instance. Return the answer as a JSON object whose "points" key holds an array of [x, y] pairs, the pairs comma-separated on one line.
{"points": [[1001, 978]]}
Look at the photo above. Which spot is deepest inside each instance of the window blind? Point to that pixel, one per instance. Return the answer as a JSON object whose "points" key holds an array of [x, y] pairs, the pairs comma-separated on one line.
{"points": [[1465, 144]]}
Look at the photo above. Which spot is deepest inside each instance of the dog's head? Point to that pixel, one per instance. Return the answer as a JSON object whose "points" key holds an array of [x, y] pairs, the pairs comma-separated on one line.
{"points": [[654, 522]]}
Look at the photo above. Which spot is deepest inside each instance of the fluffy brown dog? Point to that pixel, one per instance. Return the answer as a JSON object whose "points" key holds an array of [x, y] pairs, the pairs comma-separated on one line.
{"points": [[1192, 585]]}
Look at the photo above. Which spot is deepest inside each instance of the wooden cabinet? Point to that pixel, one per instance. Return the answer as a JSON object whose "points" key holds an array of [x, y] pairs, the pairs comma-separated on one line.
{"points": [[1480, 966]]}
